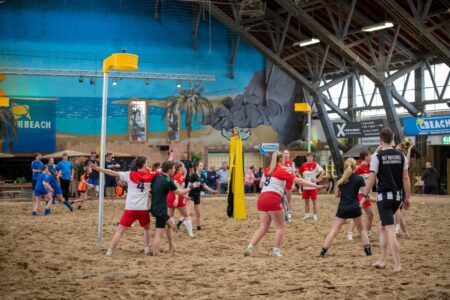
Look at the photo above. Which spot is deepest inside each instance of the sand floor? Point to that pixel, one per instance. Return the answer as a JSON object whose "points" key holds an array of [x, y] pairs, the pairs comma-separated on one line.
{"points": [[56, 257]]}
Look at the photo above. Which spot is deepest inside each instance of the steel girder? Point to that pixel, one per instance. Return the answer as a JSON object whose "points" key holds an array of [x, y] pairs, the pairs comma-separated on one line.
{"points": [[401, 15]]}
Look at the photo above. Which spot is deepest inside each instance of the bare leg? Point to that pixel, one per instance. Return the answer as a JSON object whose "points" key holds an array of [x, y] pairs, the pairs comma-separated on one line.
{"points": [[314, 206], [393, 245], [116, 238], [306, 206], [169, 227], [362, 232], [157, 241], [197, 215], [264, 223], [351, 227], [369, 218], [36, 203], [49, 200], [288, 199], [280, 225], [335, 228], [381, 263]]}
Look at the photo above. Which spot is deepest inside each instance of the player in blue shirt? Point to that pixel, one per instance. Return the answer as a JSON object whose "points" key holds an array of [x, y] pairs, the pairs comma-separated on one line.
{"points": [[41, 192], [65, 172], [36, 167], [57, 192], [51, 165]]}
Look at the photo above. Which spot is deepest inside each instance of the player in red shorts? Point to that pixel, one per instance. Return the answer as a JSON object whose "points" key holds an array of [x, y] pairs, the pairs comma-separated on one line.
{"points": [[290, 167], [363, 170], [178, 202], [269, 202], [136, 204], [312, 172]]}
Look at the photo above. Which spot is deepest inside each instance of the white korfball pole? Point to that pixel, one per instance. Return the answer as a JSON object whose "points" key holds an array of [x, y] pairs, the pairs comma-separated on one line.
{"points": [[101, 194], [309, 132], [119, 62]]}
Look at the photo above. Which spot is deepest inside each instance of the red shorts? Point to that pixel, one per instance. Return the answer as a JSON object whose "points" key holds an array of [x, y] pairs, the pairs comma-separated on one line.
{"points": [[367, 203], [129, 216], [309, 194], [289, 185], [171, 199], [269, 201]]}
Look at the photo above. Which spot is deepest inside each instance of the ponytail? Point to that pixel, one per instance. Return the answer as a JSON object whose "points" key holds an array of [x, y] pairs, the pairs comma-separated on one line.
{"points": [[349, 167], [276, 156]]}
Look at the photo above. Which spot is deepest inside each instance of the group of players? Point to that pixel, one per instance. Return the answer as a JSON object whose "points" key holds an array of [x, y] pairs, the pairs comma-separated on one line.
{"points": [[162, 191], [387, 168]]}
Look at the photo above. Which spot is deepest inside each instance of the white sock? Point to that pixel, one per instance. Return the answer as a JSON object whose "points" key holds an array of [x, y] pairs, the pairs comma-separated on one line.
{"points": [[109, 252], [146, 250], [307, 215], [276, 250], [188, 224], [250, 247], [315, 215]]}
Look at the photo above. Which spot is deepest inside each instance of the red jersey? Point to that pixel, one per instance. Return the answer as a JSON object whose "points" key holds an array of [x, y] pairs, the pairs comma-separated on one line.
{"points": [[179, 178], [276, 181], [360, 169]]}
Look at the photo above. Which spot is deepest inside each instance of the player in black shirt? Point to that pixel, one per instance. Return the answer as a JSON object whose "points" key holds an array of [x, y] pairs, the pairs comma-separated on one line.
{"points": [[196, 177], [160, 188], [390, 167], [347, 188]]}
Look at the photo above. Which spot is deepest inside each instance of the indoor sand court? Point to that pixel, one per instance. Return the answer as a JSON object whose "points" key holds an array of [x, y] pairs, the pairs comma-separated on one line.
{"points": [[45, 258]]}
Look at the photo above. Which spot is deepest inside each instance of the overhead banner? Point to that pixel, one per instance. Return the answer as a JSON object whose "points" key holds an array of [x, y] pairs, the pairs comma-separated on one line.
{"points": [[36, 126], [358, 129], [427, 126], [270, 147]]}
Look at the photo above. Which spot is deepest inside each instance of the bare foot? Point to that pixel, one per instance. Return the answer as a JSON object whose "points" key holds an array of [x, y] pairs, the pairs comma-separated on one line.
{"points": [[398, 269], [379, 265]]}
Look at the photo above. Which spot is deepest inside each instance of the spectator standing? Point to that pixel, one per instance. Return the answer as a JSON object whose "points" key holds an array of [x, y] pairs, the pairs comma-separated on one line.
{"points": [[258, 176], [212, 177], [110, 181], [249, 179], [223, 178], [430, 179], [93, 178]]}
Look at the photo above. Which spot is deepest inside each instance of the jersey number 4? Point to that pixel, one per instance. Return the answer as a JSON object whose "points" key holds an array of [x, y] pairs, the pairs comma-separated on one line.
{"points": [[267, 182], [141, 186]]}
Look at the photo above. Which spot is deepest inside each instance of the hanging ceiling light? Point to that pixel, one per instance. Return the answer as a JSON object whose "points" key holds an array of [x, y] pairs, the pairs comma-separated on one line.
{"points": [[376, 27], [305, 43], [147, 81], [178, 84], [92, 81], [80, 80], [114, 82]]}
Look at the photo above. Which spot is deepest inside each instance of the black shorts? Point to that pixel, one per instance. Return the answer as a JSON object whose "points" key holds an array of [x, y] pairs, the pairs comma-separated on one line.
{"points": [[348, 212], [387, 209], [33, 183], [195, 199], [161, 221]]}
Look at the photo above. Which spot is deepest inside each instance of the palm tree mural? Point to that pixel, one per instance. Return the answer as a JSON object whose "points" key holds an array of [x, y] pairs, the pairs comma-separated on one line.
{"points": [[8, 125], [196, 106]]}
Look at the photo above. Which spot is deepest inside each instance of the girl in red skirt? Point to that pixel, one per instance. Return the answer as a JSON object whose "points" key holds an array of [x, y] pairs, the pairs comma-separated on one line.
{"points": [[269, 202], [179, 202]]}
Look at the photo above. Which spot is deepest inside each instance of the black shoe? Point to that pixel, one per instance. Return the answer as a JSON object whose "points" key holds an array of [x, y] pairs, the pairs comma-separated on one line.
{"points": [[179, 224], [79, 206], [199, 227], [368, 250], [323, 252]]}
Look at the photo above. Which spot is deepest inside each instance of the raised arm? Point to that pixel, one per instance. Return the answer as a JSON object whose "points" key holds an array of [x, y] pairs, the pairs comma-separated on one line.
{"points": [[301, 181], [106, 171]]}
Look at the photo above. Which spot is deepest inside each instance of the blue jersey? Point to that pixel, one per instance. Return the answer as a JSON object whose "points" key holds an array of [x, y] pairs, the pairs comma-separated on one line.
{"points": [[39, 182], [36, 165], [66, 169], [54, 184], [52, 168]]}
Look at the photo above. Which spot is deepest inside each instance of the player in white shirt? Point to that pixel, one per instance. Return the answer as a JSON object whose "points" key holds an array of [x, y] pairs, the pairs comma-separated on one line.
{"points": [[137, 202], [312, 172]]}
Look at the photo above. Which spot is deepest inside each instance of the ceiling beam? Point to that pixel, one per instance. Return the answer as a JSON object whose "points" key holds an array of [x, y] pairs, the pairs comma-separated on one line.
{"points": [[401, 15], [329, 39], [276, 59], [403, 102]]}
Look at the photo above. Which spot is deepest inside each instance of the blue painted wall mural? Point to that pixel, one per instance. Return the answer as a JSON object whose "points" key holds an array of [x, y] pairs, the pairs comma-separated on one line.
{"points": [[80, 34]]}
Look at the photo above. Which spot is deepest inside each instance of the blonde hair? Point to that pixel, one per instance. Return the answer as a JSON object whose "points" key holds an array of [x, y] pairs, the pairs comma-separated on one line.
{"points": [[276, 157], [349, 167]]}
